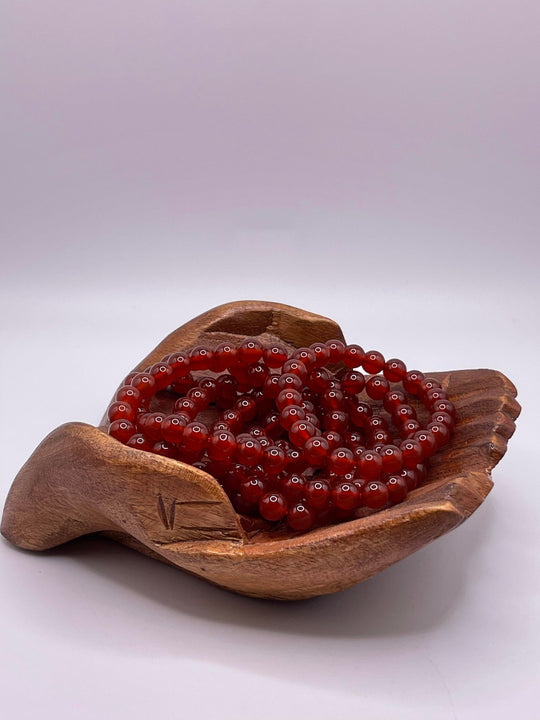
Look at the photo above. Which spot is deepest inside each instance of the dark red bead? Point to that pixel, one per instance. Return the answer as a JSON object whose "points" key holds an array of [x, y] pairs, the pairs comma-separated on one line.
{"points": [[250, 352], [226, 389], [411, 477], [300, 517], [369, 465], [379, 437], [445, 406], [375, 495], [402, 413], [336, 348], [411, 451], [373, 362], [333, 438], [121, 411], [187, 406], [195, 437], [140, 442], [162, 447], [182, 384], [301, 431], [288, 397], [292, 487], [200, 397], [295, 367], [274, 459], [247, 407], [150, 425], [317, 494], [412, 380], [296, 460], [289, 381], [130, 395], [443, 418], [221, 445], [409, 428], [163, 374], [252, 489], [318, 380], [316, 450], [353, 356], [335, 420], [353, 382], [122, 430], [172, 427], [201, 358], [346, 496], [209, 385], [275, 355], [180, 364], [397, 488], [392, 459], [434, 395], [341, 461], [321, 352], [271, 386], [428, 383], [359, 414], [332, 400], [249, 451], [440, 432], [224, 357], [306, 356], [393, 399], [427, 442], [377, 387], [145, 384], [291, 414], [257, 375], [272, 506], [394, 370], [272, 425]]}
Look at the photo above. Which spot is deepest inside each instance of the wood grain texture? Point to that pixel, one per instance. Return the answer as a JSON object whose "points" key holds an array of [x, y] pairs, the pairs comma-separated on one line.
{"points": [[80, 480]]}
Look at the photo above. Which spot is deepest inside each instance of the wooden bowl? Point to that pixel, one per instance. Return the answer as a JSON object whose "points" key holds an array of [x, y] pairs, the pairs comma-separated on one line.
{"points": [[80, 480]]}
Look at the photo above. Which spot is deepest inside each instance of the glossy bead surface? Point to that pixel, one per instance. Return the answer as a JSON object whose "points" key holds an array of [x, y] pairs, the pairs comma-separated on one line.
{"points": [[250, 351], [129, 395], [392, 459], [336, 349], [411, 451], [300, 432], [120, 410], [145, 384], [373, 362], [274, 459], [272, 506], [275, 355], [195, 437], [377, 387], [394, 370], [346, 496], [248, 451], [411, 381], [321, 352], [375, 495], [353, 356], [163, 375], [201, 358], [353, 382], [292, 487], [221, 445], [369, 465], [172, 427], [341, 461], [122, 430], [317, 493], [397, 488], [300, 517]]}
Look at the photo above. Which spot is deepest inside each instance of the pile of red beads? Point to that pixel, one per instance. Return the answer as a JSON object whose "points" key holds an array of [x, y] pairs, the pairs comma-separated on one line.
{"points": [[286, 437]]}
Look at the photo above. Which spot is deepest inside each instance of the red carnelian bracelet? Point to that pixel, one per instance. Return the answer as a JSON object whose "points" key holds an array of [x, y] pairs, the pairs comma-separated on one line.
{"points": [[291, 438]]}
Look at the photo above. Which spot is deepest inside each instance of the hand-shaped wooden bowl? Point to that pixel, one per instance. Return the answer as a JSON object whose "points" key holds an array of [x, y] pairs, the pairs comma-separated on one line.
{"points": [[80, 480]]}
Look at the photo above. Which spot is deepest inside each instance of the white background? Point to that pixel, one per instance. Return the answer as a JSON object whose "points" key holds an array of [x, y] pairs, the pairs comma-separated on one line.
{"points": [[374, 162]]}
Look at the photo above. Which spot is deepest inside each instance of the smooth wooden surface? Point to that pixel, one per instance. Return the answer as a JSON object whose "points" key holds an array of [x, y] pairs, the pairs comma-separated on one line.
{"points": [[80, 480]]}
